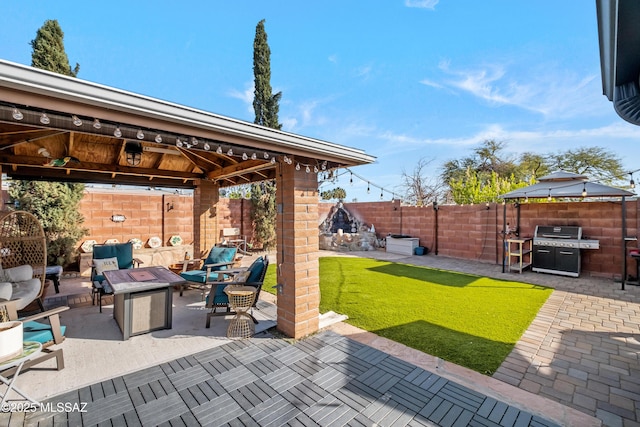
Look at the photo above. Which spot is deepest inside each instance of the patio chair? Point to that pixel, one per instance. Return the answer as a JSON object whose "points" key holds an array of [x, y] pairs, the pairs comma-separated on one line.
{"points": [[48, 333], [219, 260], [252, 276], [23, 258], [116, 256]]}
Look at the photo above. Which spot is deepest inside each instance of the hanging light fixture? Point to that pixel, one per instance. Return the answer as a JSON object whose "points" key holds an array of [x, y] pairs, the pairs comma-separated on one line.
{"points": [[133, 151], [244, 156], [194, 141], [273, 160], [584, 189], [140, 134], [254, 156], [179, 143], [117, 132], [297, 166], [206, 146], [368, 187], [44, 119], [158, 138], [96, 124], [549, 197], [230, 152], [632, 183], [76, 120], [17, 115], [307, 169]]}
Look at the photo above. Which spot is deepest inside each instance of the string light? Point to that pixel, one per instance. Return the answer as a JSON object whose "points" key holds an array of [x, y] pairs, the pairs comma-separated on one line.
{"points": [[97, 124], [117, 132], [44, 119], [16, 114], [368, 187], [140, 134], [584, 189], [549, 198], [632, 183], [76, 120], [158, 138]]}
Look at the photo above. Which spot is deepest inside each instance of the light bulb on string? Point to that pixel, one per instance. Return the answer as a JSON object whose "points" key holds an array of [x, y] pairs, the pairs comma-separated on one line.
{"points": [[158, 138], [16, 114], [315, 169], [179, 143], [219, 149], [253, 156], [140, 134], [307, 169], [297, 166], [44, 119], [230, 152], [266, 155], [381, 195], [368, 187], [96, 124], [549, 197], [206, 146], [273, 160], [194, 141], [584, 190], [117, 132], [244, 156], [351, 178], [76, 120], [632, 183]]}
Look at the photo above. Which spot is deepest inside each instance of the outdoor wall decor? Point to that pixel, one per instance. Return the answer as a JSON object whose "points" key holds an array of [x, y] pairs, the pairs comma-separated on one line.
{"points": [[111, 241], [118, 218], [87, 246], [154, 242], [175, 241], [137, 243]]}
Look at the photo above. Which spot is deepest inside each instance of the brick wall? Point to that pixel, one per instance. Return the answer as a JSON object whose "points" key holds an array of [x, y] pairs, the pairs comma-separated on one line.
{"points": [[147, 214], [466, 232]]}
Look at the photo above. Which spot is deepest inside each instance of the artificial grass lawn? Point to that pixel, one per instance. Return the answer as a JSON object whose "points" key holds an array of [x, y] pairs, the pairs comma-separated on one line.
{"points": [[469, 320]]}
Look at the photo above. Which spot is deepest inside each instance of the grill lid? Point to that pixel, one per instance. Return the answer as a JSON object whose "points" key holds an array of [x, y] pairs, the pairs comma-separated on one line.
{"points": [[558, 232]]}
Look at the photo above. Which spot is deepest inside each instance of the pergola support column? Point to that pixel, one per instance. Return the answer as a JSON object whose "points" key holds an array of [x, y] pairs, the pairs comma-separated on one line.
{"points": [[298, 271], [205, 220]]}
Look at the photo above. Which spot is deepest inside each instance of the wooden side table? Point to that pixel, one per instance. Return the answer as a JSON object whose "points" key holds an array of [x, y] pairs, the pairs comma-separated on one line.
{"points": [[240, 300]]}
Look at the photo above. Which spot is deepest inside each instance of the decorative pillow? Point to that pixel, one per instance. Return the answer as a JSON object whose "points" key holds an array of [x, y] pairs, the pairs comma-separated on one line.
{"points": [[242, 277], [105, 264]]}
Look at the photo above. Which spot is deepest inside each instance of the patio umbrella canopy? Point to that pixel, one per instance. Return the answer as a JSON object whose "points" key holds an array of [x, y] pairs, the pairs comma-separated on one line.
{"points": [[563, 184]]}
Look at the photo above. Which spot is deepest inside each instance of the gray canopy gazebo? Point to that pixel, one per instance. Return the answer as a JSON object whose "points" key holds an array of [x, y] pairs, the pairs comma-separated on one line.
{"points": [[561, 184]]}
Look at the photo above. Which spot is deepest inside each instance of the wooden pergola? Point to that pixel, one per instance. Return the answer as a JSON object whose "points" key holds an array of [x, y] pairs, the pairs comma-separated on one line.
{"points": [[58, 128]]}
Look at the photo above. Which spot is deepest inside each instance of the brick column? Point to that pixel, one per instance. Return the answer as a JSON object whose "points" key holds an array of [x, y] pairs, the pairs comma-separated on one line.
{"points": [[297, 226], [205, 220]]}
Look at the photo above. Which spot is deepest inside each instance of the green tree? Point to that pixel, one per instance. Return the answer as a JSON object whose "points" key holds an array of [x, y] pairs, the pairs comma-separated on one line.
{"points": [[263, 214], [335, 193], [595, 162], [56, 207], [472, 190], [54, 204], [48, 50], [266, 107]]}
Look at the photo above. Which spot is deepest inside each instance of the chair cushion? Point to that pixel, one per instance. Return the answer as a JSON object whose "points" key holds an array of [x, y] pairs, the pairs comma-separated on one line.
{"points": [[105, 264], [255, 270], [220, 254], [122, 251], [40, 332], [199, 276], [220, 298], [6, 290], [17, 274], [25, 292]]}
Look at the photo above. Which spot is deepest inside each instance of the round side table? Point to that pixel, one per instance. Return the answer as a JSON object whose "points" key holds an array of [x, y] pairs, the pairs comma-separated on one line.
{"points": [[240, 300]]}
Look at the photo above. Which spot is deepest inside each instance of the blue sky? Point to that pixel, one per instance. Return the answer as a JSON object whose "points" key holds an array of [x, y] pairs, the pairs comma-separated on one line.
{"points": [[401, 79]]}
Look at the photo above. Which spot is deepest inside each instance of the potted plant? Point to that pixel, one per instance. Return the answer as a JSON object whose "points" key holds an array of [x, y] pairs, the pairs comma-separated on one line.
{"points": [[10, 336]]}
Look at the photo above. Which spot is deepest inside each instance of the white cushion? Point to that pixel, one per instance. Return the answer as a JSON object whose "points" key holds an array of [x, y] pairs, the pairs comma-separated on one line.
{"points": [[6, 290], [25, 292], [18, 274], [105, 264]]}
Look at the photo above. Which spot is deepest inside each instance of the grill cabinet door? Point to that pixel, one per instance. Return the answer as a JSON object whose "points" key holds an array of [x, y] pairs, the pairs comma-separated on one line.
{"points": [[568, 259], [544, 257]]}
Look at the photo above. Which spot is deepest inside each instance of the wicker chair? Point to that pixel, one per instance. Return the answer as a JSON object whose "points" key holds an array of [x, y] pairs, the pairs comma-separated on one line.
{"points": [[23, 245]]}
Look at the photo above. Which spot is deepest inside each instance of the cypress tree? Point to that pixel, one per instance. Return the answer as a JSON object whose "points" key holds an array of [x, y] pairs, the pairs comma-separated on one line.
{"points": [[266, 107], [56, 205], [48, 50]]}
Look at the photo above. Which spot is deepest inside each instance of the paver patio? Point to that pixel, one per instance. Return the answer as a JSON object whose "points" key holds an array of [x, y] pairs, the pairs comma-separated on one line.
{"points": [[580, 351]]}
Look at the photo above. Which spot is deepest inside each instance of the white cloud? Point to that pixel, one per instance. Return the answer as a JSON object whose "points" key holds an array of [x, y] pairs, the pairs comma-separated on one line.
{"points": [[245, 96], [422, 4], [545, 90], [431, 83]]}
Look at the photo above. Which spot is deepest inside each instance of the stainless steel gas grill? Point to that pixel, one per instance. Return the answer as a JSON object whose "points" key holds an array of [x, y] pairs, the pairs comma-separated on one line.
{"points": [[556, 249]]}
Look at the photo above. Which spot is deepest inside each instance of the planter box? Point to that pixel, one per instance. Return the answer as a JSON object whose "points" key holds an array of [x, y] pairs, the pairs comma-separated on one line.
{"points": [[402, 245]]}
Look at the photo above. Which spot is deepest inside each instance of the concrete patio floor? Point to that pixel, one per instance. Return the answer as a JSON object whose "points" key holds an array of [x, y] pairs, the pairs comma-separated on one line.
{"points": [[574, 362]]}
